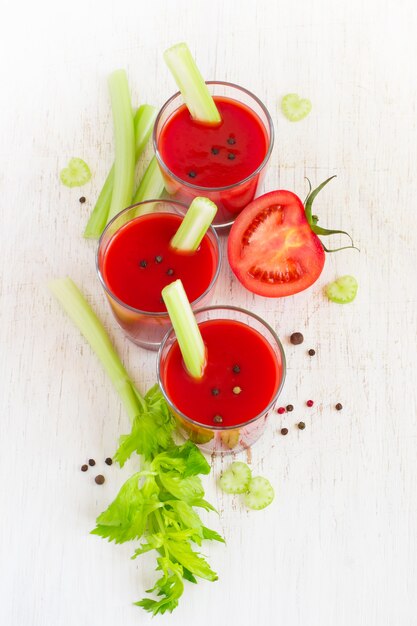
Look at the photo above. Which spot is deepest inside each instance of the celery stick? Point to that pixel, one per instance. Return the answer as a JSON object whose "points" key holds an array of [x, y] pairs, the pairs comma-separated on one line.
{"points": [[124, 139], [191, 84], [186, 328], [143, 121], [152, 184], [83, 316], [194, 226]]}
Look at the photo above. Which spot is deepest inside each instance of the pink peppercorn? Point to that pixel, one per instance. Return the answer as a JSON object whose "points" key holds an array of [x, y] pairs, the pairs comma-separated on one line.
{"points": [[310, 403], [281, 410]]}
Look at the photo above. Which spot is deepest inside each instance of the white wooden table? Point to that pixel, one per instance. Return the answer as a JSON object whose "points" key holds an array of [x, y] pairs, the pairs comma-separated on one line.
{"points": [[338, 545]]}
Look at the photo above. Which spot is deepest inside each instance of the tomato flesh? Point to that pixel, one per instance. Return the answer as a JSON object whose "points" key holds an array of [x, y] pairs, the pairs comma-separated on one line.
{"points": [[272, 249]]}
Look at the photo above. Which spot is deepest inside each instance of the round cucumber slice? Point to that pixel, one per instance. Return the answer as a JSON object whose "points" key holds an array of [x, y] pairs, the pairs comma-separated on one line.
{"points": [[236, 478], [260, 493], [76, 174], [295, 108], [342, 290]]}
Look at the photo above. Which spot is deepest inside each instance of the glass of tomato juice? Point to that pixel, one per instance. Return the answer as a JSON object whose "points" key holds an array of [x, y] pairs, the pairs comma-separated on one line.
{"points": [[224, 162], [227, 409], [135, 261]]}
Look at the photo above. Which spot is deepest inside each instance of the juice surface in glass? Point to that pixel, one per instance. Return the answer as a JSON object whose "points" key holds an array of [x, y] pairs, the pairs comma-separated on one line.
{"points": [[224, 162], [139, 262], [240, 379]]}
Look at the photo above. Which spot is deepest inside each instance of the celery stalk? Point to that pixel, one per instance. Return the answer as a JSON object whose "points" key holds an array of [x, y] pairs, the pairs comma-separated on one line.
{"points": [[186, 328], [191, 84], [151, 186], [143, 121], [124, 139], [194, 226], [83, 316]]}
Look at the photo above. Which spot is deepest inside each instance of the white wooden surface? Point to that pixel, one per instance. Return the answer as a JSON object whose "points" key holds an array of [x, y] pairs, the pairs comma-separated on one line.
{"points": [[338, 545]]}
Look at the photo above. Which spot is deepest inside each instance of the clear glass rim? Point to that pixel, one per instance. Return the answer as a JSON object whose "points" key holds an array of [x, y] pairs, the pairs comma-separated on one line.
{"points": [[199, 188], [160, 314], [225, 307]]}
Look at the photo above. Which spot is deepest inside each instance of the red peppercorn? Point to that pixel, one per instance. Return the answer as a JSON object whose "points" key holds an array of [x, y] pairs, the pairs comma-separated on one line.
{"points": [[310, 403], [281, 410]]}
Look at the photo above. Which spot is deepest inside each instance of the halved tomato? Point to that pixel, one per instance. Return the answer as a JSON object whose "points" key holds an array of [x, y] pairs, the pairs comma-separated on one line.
{"points": [[272, 249]]}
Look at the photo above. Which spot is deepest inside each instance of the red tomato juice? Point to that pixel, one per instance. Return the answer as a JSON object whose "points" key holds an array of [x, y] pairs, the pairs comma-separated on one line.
{"points": [[214, 156], [138, 262], [241, 377]]}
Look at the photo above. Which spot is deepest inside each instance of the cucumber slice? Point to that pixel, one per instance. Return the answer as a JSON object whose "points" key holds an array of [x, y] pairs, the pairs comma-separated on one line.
{"points": [[236, 478], [76, 174], [342, 290], [295, 108], [260, 494]]}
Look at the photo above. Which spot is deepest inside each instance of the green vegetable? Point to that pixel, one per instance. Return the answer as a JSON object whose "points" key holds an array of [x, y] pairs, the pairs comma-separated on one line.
{"points": [[156, 504], [260, 493], [191, 84], [236, 478], [186, 328], [197, 220], [151, 186], [124, 138], [295, 108], [342, 290], [76, 174], [143, 122]]}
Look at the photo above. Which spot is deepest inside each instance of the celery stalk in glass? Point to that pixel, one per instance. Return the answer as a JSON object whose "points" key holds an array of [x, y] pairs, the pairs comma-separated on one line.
{"points": [[124, 139], [195, 224], [186, 328], [143, 120], [191, 84]]}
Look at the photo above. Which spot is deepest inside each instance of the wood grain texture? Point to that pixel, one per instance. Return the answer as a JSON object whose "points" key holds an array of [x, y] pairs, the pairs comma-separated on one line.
{"points": [[338, 545]]}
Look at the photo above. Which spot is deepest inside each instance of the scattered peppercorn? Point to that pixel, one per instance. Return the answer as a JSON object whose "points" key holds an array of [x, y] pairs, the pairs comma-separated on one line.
{"points": [[215, 150], [82, 199], [217, 419], [289, 408], [309, 403], [231, 156], [281, 410], [192, 174], [339, 406], [296, 339], [91, 462], [301, 425], [215, 391], [84, 468], [237, 390], [312, 352], [231, 141], [170, 272], [143, 263], [158, 259], [284, 431], [99, 479], [108, 461], [236, 369]]}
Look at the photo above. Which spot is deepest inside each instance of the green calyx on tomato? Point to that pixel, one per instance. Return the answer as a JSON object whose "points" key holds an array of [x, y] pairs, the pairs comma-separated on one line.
{"points": [[273, 246]]}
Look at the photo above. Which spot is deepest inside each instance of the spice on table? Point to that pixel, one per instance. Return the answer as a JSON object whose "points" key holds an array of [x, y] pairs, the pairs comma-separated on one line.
{"points": [[108, 461], [84, 467], [91, 462], [310, 403], [284, 431], [289, 408], [301, 425], [296, 339], [281, 410], [82, 199], [312, 352], [99, 479], [339, 406]]}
